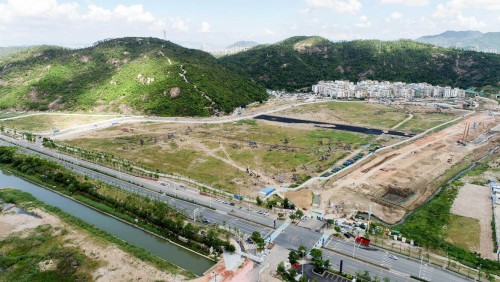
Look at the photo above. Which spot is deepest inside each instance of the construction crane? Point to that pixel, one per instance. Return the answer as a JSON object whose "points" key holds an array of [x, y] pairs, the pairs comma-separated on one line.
{"points": [[463, 140]]}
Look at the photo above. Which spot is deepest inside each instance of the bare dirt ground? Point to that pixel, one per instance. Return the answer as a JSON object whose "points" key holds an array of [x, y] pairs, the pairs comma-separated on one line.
{"points": [[281, 155], [406, 173], [481, 210], [48, 122], [241, 274], [116, 265], [301, 198], [399, 117]]}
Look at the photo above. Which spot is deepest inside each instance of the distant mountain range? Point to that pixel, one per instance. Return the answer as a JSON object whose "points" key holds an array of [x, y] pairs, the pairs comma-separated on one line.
{"points": [[467, 40], [243, 44], [127, 75], [157, 77], [298, 62]]}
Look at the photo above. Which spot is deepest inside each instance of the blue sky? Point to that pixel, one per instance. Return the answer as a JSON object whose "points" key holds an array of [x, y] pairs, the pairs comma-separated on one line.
{"points": [[218, 23]]}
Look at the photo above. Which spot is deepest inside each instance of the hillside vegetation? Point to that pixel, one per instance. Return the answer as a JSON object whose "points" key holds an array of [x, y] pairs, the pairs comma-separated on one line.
{"points": [[126, 75], [299, 62]]}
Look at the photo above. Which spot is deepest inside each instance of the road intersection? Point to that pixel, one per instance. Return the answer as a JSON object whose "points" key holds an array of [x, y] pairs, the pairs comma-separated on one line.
{"points": [[246, 221]]}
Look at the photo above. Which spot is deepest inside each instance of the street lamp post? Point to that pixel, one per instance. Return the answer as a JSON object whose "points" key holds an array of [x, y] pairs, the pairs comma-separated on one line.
{"points": [[303, 256], [421, 262]]}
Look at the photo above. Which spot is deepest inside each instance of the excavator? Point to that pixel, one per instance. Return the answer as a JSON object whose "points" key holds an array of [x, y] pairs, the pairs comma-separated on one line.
{"points": [[463, 140]]}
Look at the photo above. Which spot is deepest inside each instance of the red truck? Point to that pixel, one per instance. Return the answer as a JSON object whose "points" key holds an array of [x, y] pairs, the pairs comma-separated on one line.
{"points": [[362, 240]]}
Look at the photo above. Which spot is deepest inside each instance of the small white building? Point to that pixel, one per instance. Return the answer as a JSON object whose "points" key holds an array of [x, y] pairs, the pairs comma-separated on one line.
{"points": [[495, 191]]}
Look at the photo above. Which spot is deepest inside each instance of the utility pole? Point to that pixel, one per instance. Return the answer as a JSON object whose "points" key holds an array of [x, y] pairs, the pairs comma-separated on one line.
{"points": [[369, 219], [421, 262]]}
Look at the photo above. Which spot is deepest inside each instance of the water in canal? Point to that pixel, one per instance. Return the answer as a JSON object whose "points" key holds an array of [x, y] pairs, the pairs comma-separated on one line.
{"points": [[164, 249]]}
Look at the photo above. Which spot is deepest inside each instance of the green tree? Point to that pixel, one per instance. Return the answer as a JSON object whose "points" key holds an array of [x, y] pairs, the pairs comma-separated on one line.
{"points": [[293, 257], [302, 250], [299, 213], [316, 254], [259, 201], [281, 268]]}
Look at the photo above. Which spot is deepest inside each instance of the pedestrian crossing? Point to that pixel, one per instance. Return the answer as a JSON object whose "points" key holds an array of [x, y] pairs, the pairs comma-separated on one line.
{"points": [[427, 272]]}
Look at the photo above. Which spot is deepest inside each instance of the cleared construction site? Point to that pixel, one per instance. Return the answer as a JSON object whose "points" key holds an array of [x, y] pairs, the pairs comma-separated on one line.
{"points": [[395, 181]]}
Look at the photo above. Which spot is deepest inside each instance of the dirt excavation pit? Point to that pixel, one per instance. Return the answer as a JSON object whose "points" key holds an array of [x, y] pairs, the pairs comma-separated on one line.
{"points": [[474, 201], [411, 170]]}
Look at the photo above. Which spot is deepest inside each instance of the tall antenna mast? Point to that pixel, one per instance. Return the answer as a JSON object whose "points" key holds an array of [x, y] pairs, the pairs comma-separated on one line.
{"points": [[165, 34]]}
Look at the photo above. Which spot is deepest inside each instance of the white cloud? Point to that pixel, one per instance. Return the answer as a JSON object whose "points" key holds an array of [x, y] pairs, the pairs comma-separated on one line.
{"points": [[363, 22], [97, 13], [268, 31], [412, 3], [454, 6], [394, 16], [30, 10], [43, 9], [134, 13], [469, 22], [339, 6], [53, 22], [452, 12], [180, 25], [205, 27]]}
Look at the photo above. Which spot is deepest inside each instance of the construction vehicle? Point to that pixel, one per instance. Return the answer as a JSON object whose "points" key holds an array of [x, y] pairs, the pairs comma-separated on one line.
{"points": [[362, 240], [463, 140]]}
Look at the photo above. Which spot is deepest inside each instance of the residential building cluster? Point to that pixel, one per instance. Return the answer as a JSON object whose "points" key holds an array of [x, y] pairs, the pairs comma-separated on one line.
{"points": [[227, 51], [343, 89]]}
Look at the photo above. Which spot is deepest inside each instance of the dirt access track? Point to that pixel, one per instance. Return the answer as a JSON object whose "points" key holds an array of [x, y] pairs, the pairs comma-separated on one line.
{"points": [[395, 181]]}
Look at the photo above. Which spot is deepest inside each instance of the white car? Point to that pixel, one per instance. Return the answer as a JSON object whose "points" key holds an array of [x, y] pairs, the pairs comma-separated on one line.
{"points": [[393, 257]]}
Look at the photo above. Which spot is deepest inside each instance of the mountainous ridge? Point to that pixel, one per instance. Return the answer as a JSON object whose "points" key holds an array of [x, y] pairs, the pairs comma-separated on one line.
{"points": [[298, 62], [468, 40], [127, 75], [243, 44]]}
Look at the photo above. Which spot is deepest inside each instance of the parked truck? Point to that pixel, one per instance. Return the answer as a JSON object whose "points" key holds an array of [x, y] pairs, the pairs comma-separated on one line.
{"points": [[362, 240]]}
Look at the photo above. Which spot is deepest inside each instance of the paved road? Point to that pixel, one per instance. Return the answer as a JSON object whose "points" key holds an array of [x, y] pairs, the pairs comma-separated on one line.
{"points": [[223, 212], [233, 216], [245, 114], [294, 236], [401, 265], [352, 266]]}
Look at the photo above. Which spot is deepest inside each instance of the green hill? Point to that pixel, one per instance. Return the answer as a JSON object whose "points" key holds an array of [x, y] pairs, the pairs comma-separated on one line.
{"points": [[127, 75], [299, 62]]}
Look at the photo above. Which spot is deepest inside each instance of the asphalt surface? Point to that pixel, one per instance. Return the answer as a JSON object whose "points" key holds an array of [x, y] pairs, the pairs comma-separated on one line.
{"points": [[293, 237], [173, 193], [352, 266], [400, 265], [245, 220]]}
